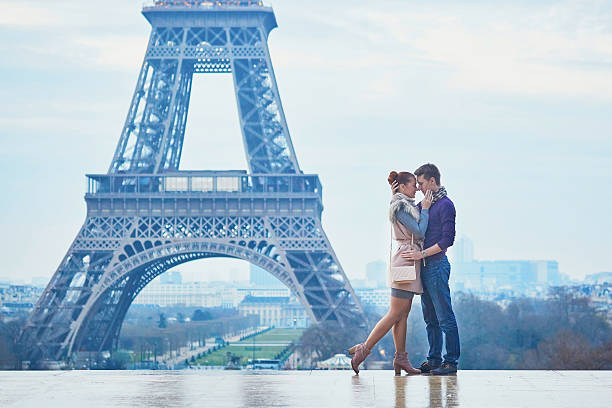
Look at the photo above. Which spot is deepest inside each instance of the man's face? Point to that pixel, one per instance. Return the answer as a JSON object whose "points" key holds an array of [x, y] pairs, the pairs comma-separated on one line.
{"points": [[425, 185]]}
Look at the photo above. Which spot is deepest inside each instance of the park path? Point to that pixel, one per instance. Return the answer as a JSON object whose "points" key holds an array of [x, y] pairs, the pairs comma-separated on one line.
{"points": [[186, 352]]}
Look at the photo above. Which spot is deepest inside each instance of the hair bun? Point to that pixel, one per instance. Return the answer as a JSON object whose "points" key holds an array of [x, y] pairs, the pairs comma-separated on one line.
{"points": [[392, 177]]}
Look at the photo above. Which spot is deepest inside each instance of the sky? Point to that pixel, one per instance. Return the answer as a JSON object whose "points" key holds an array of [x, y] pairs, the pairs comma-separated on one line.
{"points": [[511, 99]]}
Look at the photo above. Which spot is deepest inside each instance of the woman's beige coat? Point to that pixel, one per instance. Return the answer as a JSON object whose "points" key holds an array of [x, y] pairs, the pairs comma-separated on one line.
{"points": [[404, 240]]}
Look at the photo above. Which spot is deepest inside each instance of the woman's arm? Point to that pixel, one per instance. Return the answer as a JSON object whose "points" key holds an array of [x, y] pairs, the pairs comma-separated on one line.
{"points": [[418, 229]]}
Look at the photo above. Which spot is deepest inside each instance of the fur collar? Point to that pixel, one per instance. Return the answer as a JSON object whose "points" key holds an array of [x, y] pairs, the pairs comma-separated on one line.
{"points": [[401, 202]]}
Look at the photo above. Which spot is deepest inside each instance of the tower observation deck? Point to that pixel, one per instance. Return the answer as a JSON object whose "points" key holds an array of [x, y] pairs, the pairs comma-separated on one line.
{"points": [[204, 3]]}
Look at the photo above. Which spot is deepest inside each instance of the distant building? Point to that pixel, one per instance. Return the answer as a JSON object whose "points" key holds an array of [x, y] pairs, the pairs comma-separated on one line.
{"points": [[600, 295], [601, 277], [491, 275], [262, 278], [18, 298], [202, 294], [198, 294], [377, 297], [362, 283], [376, 273], [463, 250], [264, 292], [521, 277], [275, 311]]}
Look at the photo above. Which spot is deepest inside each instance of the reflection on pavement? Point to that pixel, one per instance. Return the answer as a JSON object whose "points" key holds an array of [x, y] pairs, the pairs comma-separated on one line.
{"points": [[372, 388], [443, 391]]}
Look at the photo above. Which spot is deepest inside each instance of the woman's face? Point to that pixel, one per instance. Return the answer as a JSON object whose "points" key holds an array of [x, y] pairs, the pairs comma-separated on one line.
{"points": [[409, 189]]}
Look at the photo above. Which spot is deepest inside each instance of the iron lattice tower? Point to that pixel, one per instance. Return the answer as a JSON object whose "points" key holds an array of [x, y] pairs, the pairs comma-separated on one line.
{"points": [[145, 216]]}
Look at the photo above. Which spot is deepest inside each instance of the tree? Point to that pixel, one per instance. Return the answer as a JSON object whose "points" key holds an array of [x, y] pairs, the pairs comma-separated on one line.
{"points": [[162, 323], [118, 360], [561, 332], [323, 340], [199, 315], [12, 351]]}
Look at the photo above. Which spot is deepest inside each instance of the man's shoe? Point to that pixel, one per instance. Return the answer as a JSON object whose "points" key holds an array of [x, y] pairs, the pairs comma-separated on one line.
{"points": [[445, 369], [427, 367]]}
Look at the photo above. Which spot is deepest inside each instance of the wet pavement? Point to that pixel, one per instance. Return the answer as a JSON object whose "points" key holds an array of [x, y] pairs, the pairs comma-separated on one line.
{"points": [[195, 388]]}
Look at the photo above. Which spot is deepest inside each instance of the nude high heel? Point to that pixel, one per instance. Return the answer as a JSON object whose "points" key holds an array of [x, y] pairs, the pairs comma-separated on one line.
{"points": [[360, 352], [401, 362]]}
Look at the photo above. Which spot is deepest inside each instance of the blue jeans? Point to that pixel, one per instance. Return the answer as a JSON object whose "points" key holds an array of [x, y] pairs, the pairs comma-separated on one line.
{"points": [[438, 312]]}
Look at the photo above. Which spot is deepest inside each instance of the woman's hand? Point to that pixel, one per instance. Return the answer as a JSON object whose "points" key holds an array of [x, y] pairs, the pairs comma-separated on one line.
{"points": [[426, 203], [394, 187]]}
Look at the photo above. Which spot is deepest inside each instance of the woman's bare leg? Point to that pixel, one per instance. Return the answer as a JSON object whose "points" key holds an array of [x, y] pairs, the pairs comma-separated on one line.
{"points": [[393, 316], [400, 328]]}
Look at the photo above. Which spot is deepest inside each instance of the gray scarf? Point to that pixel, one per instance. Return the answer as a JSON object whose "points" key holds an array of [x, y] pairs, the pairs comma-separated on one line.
{"points": [[401, 202], [441, 193]]}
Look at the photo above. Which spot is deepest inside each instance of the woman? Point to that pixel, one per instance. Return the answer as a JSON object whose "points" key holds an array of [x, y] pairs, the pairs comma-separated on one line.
{"points": [[409, 226]]}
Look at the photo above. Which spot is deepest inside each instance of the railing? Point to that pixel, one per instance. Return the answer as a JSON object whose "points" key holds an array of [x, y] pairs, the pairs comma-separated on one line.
{"points": [[203, 3], [203, 183]]}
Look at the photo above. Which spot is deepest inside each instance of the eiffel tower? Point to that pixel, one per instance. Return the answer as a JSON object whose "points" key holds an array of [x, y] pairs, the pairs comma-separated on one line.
{"points": [[145, 216]]}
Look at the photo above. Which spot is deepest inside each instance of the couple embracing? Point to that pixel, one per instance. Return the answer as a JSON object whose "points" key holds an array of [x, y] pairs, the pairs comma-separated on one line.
{"points": [[419, 267]]}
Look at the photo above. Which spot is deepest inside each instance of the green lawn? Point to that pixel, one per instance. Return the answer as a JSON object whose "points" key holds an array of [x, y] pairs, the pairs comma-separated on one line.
{"points": [[244, 349], [278, 335], [219, 357]]}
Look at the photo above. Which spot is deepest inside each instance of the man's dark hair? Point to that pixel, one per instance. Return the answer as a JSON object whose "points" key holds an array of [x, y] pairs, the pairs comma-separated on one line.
{"points": [[428, 171]]}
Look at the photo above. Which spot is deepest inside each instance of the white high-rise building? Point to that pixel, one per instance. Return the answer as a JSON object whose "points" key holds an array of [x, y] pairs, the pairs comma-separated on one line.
{"points": [[463, 250], [376, 273]]}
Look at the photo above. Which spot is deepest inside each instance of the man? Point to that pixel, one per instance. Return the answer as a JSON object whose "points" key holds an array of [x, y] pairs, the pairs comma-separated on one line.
{"points": [[435, 272]]}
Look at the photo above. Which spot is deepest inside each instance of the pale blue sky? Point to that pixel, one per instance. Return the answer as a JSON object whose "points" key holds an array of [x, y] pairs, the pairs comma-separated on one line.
{"points": [[511, 99]]}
